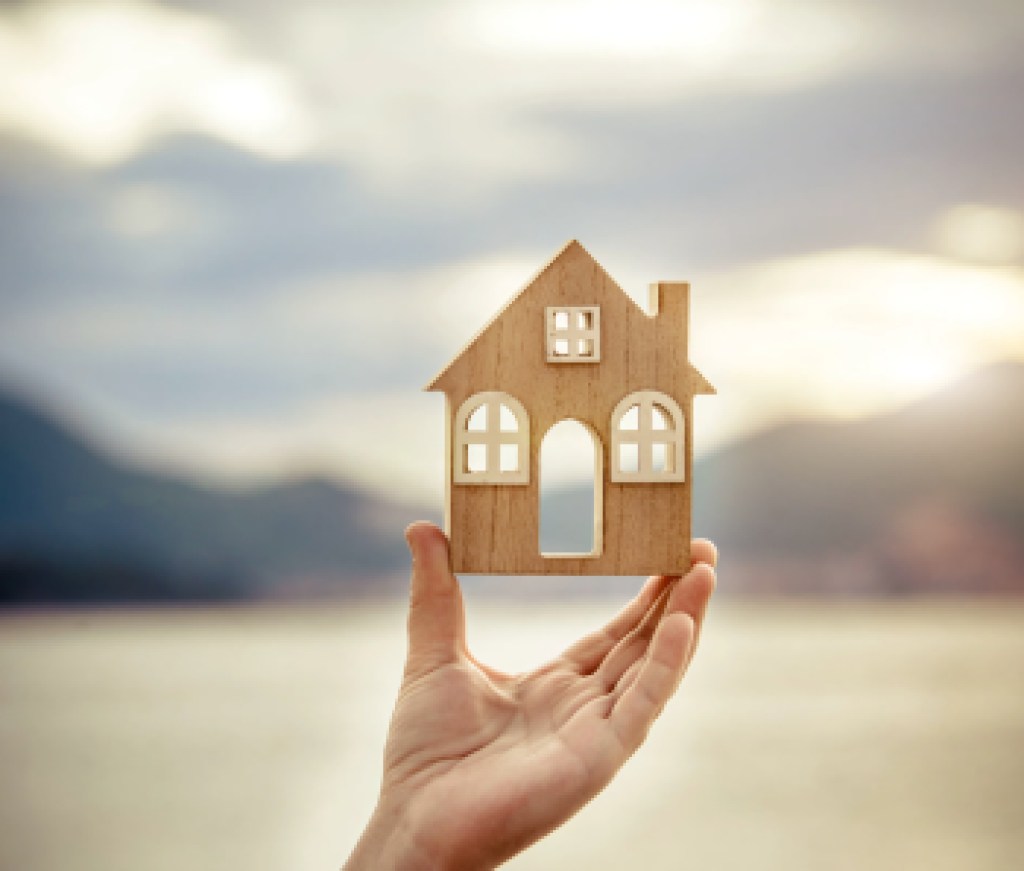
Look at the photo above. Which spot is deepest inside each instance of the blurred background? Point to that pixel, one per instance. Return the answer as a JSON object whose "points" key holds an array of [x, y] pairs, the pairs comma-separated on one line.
{"points": [[237, 238]]}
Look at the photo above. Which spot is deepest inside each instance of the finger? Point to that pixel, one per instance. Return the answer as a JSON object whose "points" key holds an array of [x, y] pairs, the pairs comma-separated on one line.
{"points": [[657, 679], [703, 551], [626, 681], [688, 595], [692, 594], [588, 653], [436, 623], [633, 646]]}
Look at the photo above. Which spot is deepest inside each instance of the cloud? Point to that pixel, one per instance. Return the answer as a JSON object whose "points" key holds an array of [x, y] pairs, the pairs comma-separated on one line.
{"points": [[161, 211], [465, 98], [837, 212], [459, 92], [870, 163], [298, 342], [208, 218], [101, 80], [699, 179]]}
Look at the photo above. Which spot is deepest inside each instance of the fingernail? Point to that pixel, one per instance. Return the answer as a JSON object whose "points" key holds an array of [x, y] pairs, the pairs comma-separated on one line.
{"points": [[414, 539]]}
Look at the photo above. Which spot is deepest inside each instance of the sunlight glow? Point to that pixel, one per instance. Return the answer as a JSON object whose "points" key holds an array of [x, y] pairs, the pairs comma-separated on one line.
{"points": [[697, 30], [846, 333], [985, 234], [672, 48]]}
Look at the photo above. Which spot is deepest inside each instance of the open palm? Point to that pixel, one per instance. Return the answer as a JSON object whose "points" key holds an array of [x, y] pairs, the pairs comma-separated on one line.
{"points": [[480, 764]]}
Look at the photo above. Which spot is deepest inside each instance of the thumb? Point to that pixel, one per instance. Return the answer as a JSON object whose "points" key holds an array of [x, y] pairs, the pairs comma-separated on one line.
{"points": [[437, 623]]}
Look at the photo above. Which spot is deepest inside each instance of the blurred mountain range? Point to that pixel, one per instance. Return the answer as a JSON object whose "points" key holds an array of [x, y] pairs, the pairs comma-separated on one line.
{"points": [[77, 526], [925, 500], [928, 499]]}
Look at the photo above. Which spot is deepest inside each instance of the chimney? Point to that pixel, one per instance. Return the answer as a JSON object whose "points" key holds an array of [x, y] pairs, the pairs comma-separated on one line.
{"points": [[670, 302]]}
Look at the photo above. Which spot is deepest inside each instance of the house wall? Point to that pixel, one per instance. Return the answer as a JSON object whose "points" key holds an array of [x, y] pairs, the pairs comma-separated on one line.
{"points": [[646, 527], [494, 529]]}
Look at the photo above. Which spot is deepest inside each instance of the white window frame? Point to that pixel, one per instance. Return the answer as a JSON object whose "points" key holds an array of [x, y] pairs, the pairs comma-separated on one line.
{"points": [[492, 437], [645, 437], [574, 334]]}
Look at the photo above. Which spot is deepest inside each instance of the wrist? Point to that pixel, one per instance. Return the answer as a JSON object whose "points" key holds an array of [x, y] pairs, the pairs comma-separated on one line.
{"points": [[387, 842]]}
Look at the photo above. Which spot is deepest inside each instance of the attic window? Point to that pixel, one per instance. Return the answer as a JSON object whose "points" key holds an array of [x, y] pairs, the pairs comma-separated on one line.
{"points": [[573, 334]]}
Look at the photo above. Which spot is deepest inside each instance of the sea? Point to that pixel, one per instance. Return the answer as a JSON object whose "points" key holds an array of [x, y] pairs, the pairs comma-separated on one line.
{"points": [[834, 735]]}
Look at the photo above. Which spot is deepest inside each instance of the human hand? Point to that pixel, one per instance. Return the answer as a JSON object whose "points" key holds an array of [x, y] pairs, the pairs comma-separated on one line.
{"points": [[480, 764]]}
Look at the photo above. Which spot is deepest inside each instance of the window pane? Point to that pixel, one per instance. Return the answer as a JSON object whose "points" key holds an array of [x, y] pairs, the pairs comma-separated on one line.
{"points": [[509, 458], [662, 458], [631, 419], [660, 417], [561, 320], [561, 347], [508, 420], [629, 458], [586, 348], [476, 458], [586, 320], [478, 420]]}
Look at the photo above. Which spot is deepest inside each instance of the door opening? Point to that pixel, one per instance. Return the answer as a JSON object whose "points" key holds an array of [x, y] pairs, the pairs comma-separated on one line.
{"points": [[571, 479]]}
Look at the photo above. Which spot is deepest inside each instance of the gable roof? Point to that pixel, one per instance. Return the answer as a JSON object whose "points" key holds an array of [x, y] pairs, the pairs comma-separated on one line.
{"points": [[566, 250], [571, 249]]}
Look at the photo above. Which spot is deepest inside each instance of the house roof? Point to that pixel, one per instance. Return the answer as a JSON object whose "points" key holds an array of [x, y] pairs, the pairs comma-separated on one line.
{"points": [[570, 249]]}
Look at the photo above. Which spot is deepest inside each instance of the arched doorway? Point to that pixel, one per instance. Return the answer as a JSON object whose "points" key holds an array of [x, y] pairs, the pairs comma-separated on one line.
{"points": [[570, 491]]}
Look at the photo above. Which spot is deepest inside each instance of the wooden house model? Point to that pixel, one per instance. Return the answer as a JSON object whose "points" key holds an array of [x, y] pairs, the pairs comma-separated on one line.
{"points": [[573, 345]]}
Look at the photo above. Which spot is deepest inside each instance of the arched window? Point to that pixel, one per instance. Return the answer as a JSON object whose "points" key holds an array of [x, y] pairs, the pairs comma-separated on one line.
{"points": [[648, 439], [491, 443]]}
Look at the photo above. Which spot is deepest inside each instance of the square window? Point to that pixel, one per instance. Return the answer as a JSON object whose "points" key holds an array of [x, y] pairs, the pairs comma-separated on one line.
{"points": [[573, 334], [508, 460], [629, 458], [476, 458]]}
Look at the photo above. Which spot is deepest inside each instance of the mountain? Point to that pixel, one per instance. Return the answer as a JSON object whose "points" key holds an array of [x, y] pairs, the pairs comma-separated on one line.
{"points": [[926, 499], [77, 526]]}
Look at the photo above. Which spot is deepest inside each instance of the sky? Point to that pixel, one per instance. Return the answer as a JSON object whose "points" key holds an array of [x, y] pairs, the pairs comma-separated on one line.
{"points": [[237, 238]]}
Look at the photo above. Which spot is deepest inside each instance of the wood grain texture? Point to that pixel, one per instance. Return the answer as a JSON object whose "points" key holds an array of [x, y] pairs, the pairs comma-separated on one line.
{"points": [[645, 527]]}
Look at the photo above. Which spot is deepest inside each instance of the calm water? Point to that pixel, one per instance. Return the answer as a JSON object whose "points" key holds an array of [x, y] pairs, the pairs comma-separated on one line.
{"points": [[806, 737]]}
